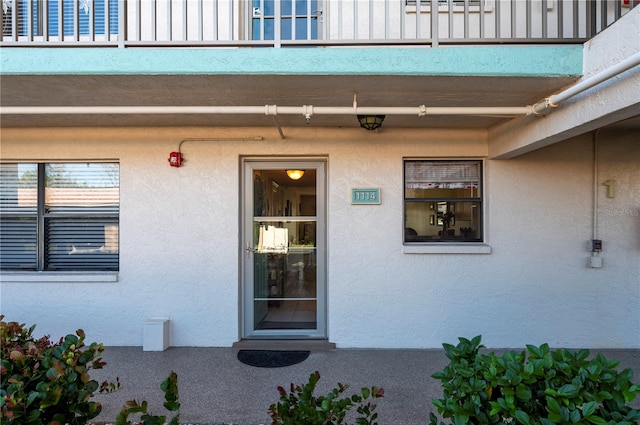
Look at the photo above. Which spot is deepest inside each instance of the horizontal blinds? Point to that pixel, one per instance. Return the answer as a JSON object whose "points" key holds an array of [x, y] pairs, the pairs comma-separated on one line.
{"points": [[82, 188], [441, 174], [82, 244], [82, 203], [18, 189], [18, 243], [77, 220], [18, 216]]}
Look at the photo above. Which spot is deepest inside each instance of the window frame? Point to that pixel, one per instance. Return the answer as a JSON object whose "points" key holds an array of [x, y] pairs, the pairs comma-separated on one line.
{"points": [[43, 218], [444, 245]]}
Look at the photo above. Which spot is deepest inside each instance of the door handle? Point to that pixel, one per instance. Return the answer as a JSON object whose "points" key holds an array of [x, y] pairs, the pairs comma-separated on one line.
{"points": [[249, 250]]}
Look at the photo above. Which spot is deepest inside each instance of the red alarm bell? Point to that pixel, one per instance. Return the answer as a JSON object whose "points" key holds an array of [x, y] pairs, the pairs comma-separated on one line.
{"points": [[175, 159]]}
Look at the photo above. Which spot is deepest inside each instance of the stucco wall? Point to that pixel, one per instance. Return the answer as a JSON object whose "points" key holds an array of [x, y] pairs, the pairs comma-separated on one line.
{"points": [[179, 241]]}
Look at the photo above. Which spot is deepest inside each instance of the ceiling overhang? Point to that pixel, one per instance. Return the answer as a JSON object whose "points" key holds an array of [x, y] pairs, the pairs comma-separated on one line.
{"points": [[478, 76], [259, 90]]}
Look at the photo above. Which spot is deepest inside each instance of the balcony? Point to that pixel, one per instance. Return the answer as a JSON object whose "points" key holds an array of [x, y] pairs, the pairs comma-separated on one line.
{"points": [[287, 23]]}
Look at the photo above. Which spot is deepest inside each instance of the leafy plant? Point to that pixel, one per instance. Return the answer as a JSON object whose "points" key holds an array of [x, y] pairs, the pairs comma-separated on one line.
{"points": [[300, 406], [536, 386], [45, 382], [170, 388]]}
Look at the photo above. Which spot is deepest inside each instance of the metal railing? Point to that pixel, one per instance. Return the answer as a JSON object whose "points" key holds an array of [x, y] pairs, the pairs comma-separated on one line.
{"points": [[248, 23]]}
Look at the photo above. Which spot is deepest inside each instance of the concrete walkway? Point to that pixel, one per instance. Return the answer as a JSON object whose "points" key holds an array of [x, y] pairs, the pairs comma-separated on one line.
{"points": [[215, 388]]}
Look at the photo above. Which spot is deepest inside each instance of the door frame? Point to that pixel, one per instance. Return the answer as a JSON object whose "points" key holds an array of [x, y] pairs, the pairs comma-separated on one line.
{"points": [[246, 218]]}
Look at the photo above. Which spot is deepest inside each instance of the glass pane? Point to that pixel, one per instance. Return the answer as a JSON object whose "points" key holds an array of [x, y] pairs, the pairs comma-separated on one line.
{"points": [[275, 194], [82, 188], [298, 314], [436, 221], [82, 244], [268, 29], [284, 250], [18, 189], [285, 7], [18, 243], [18, 211], [284, 260], [285, 26]]}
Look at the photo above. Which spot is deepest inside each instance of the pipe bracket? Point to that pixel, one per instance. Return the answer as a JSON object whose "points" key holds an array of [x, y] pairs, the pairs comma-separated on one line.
{"points": [[550, 103], [271, 109], [307, 111]]}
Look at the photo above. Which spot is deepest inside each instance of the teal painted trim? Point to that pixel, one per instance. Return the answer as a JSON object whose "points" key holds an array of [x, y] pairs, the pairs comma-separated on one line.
{"points": [[525, 61]]}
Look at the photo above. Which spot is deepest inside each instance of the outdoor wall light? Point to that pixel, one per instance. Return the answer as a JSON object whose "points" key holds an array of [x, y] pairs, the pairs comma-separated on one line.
{"points": [[295, 174], [371, 122]]}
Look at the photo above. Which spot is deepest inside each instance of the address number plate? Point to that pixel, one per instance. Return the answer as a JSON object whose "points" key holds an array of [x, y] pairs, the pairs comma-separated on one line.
{"points": [[365, 196]]}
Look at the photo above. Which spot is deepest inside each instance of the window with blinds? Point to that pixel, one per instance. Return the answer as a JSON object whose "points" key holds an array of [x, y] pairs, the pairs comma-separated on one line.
{"points": [[443, 201], [59, 216], [440, 2], [93, 17]]}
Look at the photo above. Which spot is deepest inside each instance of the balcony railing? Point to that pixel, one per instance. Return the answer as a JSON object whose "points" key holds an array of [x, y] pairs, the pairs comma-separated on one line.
{"points": [[279, 23]]}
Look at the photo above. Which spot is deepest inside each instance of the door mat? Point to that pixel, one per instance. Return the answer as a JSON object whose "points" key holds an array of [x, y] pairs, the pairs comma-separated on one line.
{"points": [[271, 358]]}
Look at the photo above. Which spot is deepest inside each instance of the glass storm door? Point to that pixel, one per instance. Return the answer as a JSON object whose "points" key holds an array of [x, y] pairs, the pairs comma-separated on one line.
{"points": [[283, 249]]}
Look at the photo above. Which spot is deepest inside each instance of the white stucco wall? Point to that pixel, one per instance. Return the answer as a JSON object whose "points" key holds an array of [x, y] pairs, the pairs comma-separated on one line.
{"points": [[179, 241]]}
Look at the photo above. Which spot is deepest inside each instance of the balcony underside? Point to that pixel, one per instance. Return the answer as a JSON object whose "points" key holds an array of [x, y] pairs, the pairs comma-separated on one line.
{"points": [[258, 90], [445, 77]]}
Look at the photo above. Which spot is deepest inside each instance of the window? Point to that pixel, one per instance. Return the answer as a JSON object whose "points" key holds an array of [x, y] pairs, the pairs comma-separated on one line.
{"points": [[455, 2], [299, 19], [456, 6], [59, 216], [99, 13], [443, 201]]}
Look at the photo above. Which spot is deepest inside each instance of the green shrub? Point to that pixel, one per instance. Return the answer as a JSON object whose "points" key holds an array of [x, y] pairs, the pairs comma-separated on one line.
{"points": [[45, 382], [300, 406], [536, 386], [170, 388]]}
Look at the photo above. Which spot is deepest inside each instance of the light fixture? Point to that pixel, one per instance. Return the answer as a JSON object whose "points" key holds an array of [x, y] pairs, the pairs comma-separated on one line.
{"points": [[371, 122], [295, 174]]}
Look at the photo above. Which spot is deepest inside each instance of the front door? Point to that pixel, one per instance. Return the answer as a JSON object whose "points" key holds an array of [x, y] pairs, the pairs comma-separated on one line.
{"points": [[283, 249]]}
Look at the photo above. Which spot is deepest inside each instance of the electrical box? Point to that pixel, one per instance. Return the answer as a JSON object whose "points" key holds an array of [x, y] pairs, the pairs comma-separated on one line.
{"points": [[596, 245], [595, 262]]}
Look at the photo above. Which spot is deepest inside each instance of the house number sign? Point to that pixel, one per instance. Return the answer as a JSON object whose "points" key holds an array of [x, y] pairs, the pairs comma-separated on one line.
{"points": [[365, 196]]}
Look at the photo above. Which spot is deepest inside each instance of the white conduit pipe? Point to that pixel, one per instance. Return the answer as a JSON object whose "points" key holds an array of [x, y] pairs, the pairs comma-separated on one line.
{"points": [[266, 110], [555, 100]]}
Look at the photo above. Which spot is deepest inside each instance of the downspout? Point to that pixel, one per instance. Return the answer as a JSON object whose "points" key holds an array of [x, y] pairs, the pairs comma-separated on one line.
{"points": [[595, 185], [595, 245]]}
